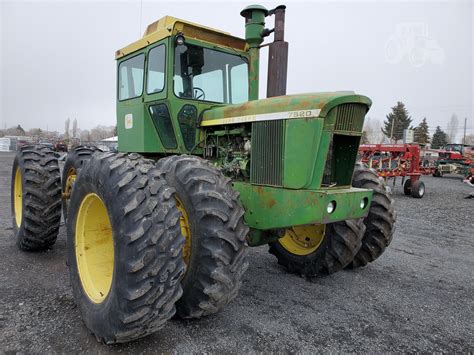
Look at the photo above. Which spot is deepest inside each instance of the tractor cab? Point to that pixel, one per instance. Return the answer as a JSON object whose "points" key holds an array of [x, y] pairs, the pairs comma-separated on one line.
{"points": [[168, 78]]}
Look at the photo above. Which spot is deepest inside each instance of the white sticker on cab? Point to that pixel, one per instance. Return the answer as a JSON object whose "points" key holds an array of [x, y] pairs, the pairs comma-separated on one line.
{"points": [[128, 121]]}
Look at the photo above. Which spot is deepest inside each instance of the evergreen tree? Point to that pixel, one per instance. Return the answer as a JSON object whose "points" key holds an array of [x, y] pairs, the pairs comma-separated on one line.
{"points": [[400, 119], [440, 138], [421, 132]]}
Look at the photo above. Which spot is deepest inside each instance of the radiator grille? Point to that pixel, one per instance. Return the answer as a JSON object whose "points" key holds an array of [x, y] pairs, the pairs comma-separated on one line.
{"points": [[350, 117], [266, 167]]}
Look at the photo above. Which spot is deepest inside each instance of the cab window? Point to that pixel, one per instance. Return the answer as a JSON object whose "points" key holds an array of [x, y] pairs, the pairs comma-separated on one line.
{"points": [[210, 75], [131, 77], [156, 70]]}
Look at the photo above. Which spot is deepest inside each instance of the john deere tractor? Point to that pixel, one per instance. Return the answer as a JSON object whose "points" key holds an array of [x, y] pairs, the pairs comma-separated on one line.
{"points": [[205, 168]]}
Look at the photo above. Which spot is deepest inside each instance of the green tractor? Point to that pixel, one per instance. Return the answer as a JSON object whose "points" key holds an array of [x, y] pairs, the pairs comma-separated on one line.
{"points": [[205, 168]]}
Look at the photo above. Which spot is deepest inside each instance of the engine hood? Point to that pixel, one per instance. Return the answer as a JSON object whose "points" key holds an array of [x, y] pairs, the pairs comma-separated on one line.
{"points": [[282, 107]]}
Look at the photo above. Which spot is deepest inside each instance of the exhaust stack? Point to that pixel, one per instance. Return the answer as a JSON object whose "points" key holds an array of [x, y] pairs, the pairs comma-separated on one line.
{"points": [[277, 55]]}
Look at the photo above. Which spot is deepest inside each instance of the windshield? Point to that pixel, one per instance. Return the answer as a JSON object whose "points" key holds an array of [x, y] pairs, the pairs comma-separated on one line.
{"points": [[210, 75]]}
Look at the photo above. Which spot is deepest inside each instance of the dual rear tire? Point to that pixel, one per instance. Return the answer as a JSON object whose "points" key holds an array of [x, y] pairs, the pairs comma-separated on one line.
{"points": [[35, 197], [181, 214], [124, 247]]}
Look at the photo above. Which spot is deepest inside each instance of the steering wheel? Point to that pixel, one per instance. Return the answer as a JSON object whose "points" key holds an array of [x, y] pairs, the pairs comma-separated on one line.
{"points": [[198, 93]]}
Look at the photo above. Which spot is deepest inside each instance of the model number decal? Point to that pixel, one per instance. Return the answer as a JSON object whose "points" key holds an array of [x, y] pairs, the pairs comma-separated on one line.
{"points": [[300, 114], [263, 117]]}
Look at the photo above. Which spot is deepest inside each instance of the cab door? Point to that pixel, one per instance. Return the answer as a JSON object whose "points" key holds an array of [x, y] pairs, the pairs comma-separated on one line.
{"points": [[160, 136]]}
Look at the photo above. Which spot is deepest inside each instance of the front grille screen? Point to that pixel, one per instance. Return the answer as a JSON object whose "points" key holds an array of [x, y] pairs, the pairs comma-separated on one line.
{"points": [[350, 117], [266, 167]]}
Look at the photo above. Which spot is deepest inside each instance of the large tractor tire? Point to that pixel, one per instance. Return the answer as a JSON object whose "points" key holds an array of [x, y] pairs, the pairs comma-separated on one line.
{"points": [[35, 197], [380, 222], [75, 160], [124, 247], [318, 250], [212, 223]]}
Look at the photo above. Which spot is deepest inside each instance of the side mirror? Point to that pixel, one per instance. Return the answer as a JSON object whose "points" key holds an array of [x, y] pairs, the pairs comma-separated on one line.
{"points": [[195, 59]]}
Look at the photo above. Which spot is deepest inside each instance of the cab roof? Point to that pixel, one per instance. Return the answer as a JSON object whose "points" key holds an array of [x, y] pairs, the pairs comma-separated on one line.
{"points": [[168, 26]]}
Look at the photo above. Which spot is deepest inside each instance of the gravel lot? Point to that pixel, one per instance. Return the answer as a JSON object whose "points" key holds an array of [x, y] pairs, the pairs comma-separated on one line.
{"points": [[417, 297]]}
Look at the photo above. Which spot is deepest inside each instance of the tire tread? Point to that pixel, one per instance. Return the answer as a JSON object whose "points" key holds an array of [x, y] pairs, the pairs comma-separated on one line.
{"points": [[41, 198], [152, 245], [380, 222], [222, 247]]}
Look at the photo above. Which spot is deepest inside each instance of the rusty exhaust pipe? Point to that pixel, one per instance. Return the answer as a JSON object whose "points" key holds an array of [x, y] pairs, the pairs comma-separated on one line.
{"points": [[277, 55]]}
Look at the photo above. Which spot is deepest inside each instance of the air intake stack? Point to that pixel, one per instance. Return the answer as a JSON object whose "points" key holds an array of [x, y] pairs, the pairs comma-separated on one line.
{"points": [[255, 32]]}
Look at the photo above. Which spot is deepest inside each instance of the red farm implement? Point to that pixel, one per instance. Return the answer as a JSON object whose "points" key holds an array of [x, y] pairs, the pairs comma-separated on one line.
{"points": [[392, 160], [454, 162]]}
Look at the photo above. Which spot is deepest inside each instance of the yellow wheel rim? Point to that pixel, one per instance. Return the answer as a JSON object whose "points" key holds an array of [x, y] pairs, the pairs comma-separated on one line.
{"points": [[94, 248], [70, 179], [18, 197], [303, 240], [185, 231]]}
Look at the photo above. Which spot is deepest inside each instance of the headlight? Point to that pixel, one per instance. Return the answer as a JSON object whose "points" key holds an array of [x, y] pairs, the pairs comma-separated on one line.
{"points": [[179, 39], [364, 202], [331, 207]]}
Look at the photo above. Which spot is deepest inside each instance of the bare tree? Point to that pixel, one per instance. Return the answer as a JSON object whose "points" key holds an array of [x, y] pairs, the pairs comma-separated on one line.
{"points": [[452, 128], [66, 127], [100, 132], [85, 135], [35, 132], [74, 128], [373, 131]]}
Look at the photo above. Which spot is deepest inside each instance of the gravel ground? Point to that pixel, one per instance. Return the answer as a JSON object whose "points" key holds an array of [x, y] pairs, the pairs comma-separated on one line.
{"points": [[417, 297]]}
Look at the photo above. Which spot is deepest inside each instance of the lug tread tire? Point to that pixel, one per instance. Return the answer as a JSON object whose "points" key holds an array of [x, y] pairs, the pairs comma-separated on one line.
{"points": [[380, 222], [218, 248], [76, 158], [41, 189], [149, 263], [341, 243]]}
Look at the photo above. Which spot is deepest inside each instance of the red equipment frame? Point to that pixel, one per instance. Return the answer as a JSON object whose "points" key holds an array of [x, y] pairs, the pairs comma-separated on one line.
{"points": [[395, 160]]}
